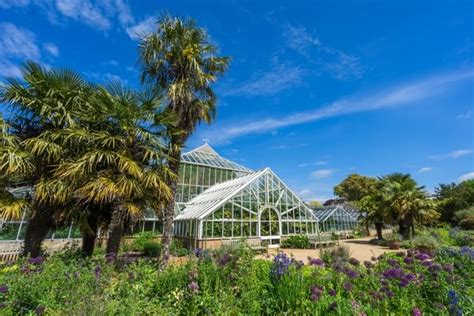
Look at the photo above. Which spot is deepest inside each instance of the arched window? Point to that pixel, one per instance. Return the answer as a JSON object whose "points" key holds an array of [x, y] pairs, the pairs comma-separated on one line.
{"points": [[269, 222]]}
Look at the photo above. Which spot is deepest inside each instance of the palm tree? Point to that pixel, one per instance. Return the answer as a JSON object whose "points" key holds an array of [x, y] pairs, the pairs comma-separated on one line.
{"points": [[408, 202], [118, 167], [181, 63], [44, 101], [375, 211]]}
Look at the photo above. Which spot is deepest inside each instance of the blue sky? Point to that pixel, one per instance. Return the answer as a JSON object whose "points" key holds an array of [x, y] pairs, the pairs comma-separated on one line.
{"points": [[316, 89]]}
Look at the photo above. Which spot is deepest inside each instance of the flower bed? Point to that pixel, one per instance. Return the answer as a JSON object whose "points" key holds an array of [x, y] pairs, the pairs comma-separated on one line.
{"points": [[230, 281]]}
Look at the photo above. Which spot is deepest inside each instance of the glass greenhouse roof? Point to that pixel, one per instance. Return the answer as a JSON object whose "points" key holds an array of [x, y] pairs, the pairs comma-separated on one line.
{"points": [[324, 213], [208, 201], [206, 156]]}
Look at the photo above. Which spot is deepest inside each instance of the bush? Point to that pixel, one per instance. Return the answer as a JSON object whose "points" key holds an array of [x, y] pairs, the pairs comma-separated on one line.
{"points": [[465, 218], [177, 249], [338, 254], [297, 242], [152, 249], [140, 240], [406, 244], [425, 242]]}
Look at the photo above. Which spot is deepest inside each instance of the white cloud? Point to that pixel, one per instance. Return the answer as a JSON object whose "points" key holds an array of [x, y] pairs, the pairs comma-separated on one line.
{"points": [[51, 48], [467, 176], [321, 163], [84, 11], [18, 44], [466, 115], [143, 28], [270, 83], [425, 169], [6, 4], [337, 63], [451, 155], [304, 164], [399, 95], [322, 173]]}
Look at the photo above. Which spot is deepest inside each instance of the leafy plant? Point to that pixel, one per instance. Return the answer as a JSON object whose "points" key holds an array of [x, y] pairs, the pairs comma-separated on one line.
{"points": [[151, 248], [140, 240], [177, 248], [425, 242], [296, 242]]}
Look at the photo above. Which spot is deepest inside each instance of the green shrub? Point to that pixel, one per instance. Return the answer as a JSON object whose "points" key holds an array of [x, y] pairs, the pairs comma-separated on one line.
{"points": [[177, 249], [425, 242], [391, 237], [337, 254], [406, 244], [140, 240], [151, 248], [296, 242]]}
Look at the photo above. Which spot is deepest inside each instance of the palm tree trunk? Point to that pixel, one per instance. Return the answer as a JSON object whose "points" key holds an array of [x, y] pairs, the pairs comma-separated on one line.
{"points": [[116, 230], [173, 165], [39, 224], [378, 228], [89, 236]]}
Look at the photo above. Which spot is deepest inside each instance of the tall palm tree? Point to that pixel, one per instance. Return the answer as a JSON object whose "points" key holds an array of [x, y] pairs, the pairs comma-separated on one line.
{"points": [[118, 167], [408, 202], [42, 102], [179, 60]]}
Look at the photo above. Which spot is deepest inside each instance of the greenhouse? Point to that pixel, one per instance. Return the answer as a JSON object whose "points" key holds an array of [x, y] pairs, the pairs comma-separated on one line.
{"points": [[255, 206], [338, 218], [216, 199]]}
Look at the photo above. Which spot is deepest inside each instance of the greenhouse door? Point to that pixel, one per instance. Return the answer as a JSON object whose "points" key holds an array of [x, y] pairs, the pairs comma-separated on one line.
{"points": [[269, 227]]}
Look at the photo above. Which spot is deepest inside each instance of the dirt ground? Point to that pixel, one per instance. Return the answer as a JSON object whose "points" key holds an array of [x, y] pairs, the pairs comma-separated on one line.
{"points": [[360, 249]]}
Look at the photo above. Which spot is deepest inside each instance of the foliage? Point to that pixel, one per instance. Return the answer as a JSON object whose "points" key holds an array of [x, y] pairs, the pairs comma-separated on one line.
{"points": [[454, 197], [151, 248], [339, 254], [355, 187], [393, 237], [426, 242], [315, 204], [465, 218], [229, 281], [177, 248], [140, 239], [296, 242]]}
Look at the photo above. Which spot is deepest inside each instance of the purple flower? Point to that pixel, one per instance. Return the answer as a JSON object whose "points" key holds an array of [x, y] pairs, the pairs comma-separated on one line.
{"points": [[389, 294], [368, 264], [435, 267], [224, 259], [400, 254], [316, 262], [422, 256], [392, 274], [316, 292], [110, 257], [40, 310], [281, 264], [197, 252], [416, 311], [97, 271], [347, 286], [392, 262], [194, 287], [448, 268], [427, 263], [332, 292], [408, 260], [333, 306], [354, 262], [36, 261], [3, 289], [410, 277], [338, 267], [351, 273]]}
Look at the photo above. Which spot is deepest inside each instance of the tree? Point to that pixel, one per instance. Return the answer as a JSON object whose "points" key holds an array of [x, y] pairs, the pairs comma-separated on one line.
{"points": [[374, 208], [315, 204], [181, 63], [43, 101], [454, 197], [117, 172], [355, 187], [407, 202]]}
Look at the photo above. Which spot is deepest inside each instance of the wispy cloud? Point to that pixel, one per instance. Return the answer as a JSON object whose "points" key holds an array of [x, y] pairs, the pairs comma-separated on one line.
{"points": [[394, 96], [304, 164], [465, 115], [280, 78], [338, 64], [451, 155], [425, 169], [467, 176], [51, 49], [16, 45], [322, 173], [142, 28], [99, 15], [321, 163]]}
